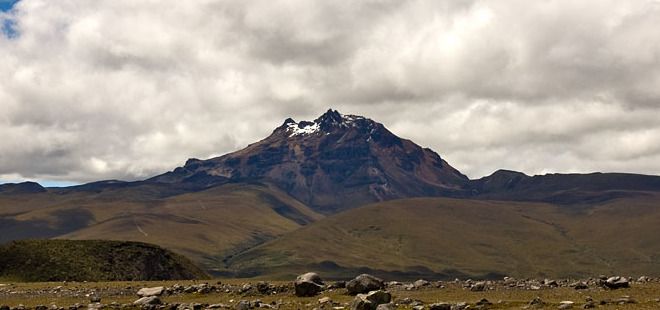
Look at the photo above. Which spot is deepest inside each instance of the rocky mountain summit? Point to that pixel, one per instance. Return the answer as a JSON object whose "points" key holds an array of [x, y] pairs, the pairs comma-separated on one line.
{"points": [[334, 162]]}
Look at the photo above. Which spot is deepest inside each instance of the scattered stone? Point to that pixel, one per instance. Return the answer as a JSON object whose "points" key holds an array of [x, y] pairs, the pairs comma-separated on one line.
{"points": [[40, 307], [537, 302], [616, 283], [478, 287], [420, 307], [643, 279], [579, 285], [566, 305], [551, 283], [440, 306], [589, 305], [94, 299], [421, 283], [151, 291], [387, 306], [149, 300], [243, 305], [625, 300], [460, 306], [325, 300], [364, 283], [308, 285], [371, 300], [4, 307], [484, 302]]}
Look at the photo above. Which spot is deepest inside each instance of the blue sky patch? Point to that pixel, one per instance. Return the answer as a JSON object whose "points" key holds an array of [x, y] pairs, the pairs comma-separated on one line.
{"points": [[6, 5]]}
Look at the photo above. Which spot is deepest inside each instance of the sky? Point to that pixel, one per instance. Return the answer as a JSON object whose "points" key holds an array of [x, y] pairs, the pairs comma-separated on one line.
{"points": [[125, 89]]}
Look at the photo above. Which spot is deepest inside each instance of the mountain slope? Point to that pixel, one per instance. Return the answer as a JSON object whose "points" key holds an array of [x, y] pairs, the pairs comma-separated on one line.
{"points": [[333, 163], [205, 226], [92, 260], [445, 238]]}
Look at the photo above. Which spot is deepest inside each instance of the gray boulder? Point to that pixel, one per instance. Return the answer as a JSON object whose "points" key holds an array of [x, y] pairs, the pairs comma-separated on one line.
{"points": [[371, 301], [307, 285], [150, 300], [387, 306], [151, 291], [478, 287], [616, 283], [364, 283]]}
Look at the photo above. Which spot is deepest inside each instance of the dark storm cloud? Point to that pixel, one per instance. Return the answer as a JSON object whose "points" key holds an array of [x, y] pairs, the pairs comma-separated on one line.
{"points": [[124, 89]]}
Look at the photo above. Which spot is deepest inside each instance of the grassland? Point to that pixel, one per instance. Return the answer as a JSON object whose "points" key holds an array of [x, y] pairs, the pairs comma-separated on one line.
{"points": [[205, 226], [437, 237]]}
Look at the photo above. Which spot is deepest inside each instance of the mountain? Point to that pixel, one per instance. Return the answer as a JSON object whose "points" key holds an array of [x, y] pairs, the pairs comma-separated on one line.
{"points": [[441, 238], [563, 189], [333, 163], [21, 188], [92, 260], [296, 200]]}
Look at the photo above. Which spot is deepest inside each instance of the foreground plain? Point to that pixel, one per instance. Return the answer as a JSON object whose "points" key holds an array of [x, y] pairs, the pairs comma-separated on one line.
{"points": [[228, 294]]}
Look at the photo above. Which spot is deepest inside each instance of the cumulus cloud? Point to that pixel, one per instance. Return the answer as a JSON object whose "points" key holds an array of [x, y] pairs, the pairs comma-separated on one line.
{"points": [[128, 89]]}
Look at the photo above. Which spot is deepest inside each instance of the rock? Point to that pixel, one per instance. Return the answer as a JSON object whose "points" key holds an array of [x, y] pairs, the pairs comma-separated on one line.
{"points": [[387, 306], [589, 305], [579, 285], [243, 305], [550, 283], [307, 285], [406, 301], [566, 305], [418, 307], [4, 307], [478, 287], [151, 291], [94, 299], [40, 307], [371, 300], [616, 283], [484, 302], [537, 302], [440, 306], [625, 300], [325, 300], [364, 283], [421, 283], [338, 284], [643, 279], [149, 300], [460, 306]]}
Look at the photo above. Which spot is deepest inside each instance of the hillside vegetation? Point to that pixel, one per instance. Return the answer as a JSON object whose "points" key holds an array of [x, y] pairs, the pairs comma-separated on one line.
{"points": [[446, 238], [205, 226], [92, 260]]}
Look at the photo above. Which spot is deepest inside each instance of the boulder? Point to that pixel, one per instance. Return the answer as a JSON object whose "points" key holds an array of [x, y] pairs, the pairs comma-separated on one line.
{"points": [[370, 301], [579, 285], [440, 306], [478, 287], [387, 306], [151, 291], [421, 283], [364, 283], [307, 285], [616, 283], [150, 300]]}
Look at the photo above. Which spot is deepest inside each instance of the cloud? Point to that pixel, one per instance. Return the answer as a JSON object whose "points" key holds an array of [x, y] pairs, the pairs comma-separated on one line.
{"points": [[123, 89]]}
